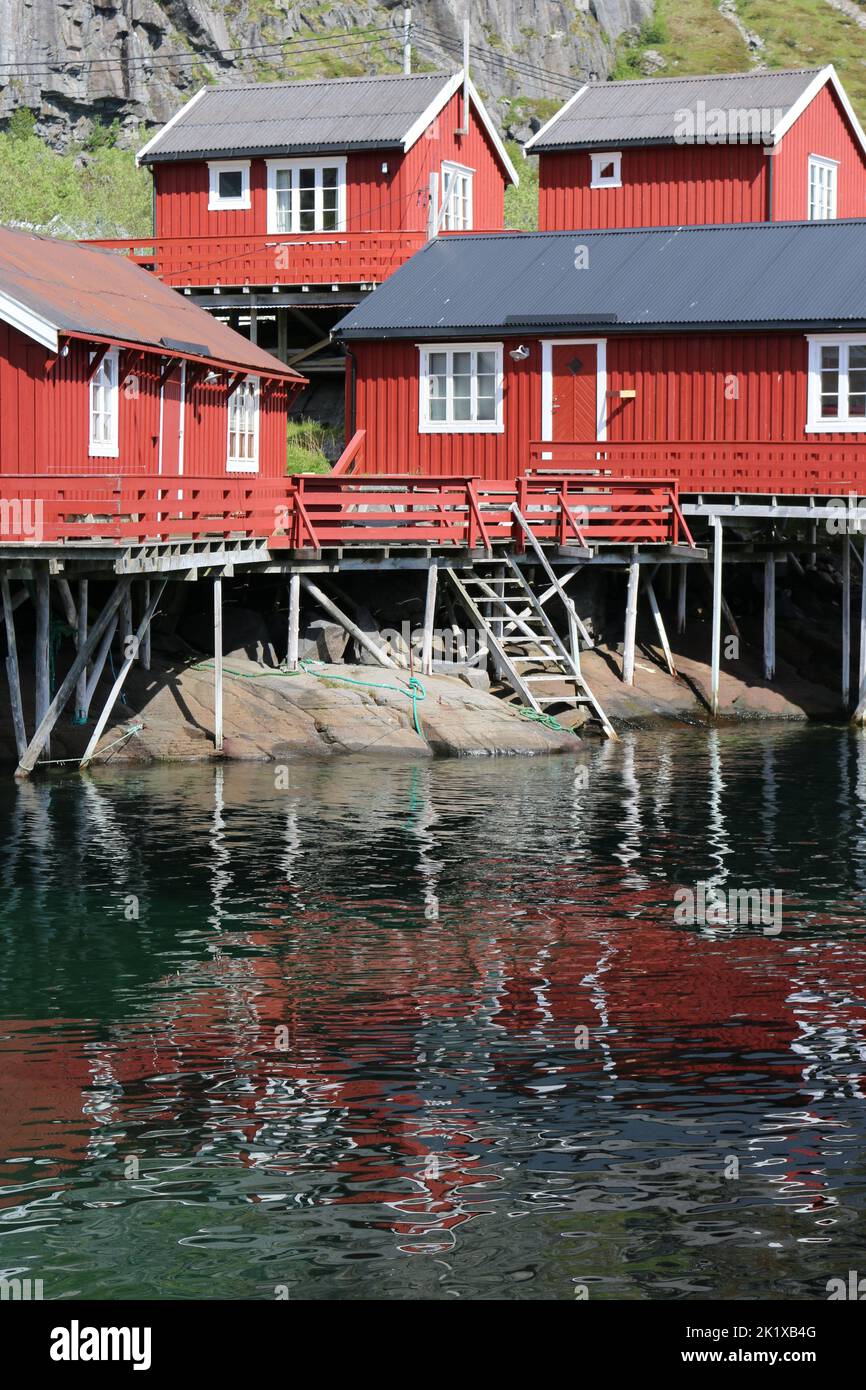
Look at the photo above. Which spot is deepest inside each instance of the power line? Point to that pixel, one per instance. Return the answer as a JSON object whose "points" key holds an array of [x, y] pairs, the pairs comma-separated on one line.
{"points": [[520, 66], [284, 47]]}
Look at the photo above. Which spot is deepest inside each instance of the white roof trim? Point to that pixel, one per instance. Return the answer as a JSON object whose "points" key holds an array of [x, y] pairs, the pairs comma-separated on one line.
{"points": [[441, 100], [154, 139], [561, 112], [827, 74], [26, 320]]}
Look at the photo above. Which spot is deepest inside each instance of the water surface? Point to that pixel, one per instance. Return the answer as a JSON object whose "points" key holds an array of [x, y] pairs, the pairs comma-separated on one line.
{"points": [[327, 1040]]}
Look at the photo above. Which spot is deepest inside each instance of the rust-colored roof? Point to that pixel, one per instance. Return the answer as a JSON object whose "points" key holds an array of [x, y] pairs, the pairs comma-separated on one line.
{"points": [[87, 291]]}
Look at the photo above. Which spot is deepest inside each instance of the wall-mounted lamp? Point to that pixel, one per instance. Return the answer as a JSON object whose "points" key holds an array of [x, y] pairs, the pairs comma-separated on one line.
{"points": [[519, 354], [385, 167]]}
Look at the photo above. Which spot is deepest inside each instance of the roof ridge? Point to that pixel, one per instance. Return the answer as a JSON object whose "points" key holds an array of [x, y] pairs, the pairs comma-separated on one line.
{"points": [[646, 231], [705, 77], [439, 74]]}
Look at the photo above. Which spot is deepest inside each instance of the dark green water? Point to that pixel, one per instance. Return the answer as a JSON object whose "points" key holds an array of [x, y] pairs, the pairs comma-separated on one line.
{"points": [[327, 1041]]}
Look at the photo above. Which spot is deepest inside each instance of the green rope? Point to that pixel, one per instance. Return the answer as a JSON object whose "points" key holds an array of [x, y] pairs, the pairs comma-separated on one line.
{"points": [[57, 762], [547, 721], [414, 690]]}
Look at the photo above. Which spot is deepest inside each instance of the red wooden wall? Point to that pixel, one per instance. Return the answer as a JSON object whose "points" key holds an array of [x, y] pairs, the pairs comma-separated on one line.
{"points": [[395, 201], [44, 417], [822, 129], [712, 387], [662, 186]]}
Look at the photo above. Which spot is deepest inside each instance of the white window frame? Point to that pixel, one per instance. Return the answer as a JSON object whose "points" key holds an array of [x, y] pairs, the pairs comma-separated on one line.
{"points": [[830, 167], [815, 423], [235, 464], [450, 426], [450, 170], [337, 162], [216, 203], [110, 365], [614, 180]]}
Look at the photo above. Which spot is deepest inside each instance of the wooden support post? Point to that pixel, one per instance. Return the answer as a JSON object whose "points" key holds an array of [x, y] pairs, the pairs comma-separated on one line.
{"points": [[681, 598], [68, 602], [660, 627], [726, 608], [144, 650], [860, 712], [81, 638], [27, 763], [813, 541], [99, 664], [294, 620], [846, 622], [12, 673], [125, 623], [769, 617], [352, 628], [429, 619], [42, 654], [129, 658], [218, 665], [630, 623], [717, 616]]}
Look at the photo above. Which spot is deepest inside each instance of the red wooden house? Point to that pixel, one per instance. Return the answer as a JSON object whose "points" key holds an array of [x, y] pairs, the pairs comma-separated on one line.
{"points": [[106, 371], [291, 200], [731, 358], [746, 147]]}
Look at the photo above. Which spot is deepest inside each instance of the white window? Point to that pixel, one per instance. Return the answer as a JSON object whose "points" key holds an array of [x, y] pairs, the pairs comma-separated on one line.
{"points": [[837, 384], [461, 389], [229, 184], [456, 198], [306, 195], [823, 178], [606, 170], [104, 407], [243, 444]]}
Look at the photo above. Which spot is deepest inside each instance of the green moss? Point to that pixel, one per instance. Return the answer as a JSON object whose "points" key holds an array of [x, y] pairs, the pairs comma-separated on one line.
{"points": [[102, 195], [521, 203]]}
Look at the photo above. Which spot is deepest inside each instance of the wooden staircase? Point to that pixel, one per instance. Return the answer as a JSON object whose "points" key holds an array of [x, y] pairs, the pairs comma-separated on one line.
{"points": [[531, 657]]}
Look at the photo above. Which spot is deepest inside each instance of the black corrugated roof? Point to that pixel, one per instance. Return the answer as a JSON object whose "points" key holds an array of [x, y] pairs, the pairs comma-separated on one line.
{"points": [[809, 274], [343, 113]]}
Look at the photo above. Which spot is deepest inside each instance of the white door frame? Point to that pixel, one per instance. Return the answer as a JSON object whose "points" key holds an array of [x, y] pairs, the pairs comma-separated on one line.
{"points": [[547, 346]]}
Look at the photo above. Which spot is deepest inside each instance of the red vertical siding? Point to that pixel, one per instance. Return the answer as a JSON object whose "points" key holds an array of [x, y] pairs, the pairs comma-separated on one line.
{"points": [[689, 387], [662, 186], [822, 129], [375, 201]]}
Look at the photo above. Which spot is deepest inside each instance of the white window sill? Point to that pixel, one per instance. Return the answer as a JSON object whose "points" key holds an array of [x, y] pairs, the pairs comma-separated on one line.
{"points": [[103, 451], [836, 426], [606, 185], [241, 466], [234, 205], [461, 427]]}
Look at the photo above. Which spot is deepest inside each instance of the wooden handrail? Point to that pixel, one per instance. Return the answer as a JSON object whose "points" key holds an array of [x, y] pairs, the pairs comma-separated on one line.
{"points": [[349, 454]]}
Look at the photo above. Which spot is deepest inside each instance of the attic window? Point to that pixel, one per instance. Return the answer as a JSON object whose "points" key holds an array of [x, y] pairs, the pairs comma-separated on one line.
{"points": [[823, 175], [229, 185], [606, 170]]}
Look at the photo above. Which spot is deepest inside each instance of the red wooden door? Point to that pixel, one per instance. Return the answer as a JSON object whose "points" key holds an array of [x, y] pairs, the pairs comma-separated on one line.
{"points": [[575, 404]]}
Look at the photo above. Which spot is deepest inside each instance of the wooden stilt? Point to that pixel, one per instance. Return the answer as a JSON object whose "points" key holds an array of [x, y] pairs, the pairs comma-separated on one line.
{"points": [[294, 620], [12, 673], [144, 650], [126, 623], [717, 616], [630, 623], [860, 711], [681, 598], [218, 664], [429, 619], [769, 617], [68, 602], [99, 664], [660, 626], [27, 763], [17, 600], [81, 638], [726, 608], [129, 658], [358, 633], [42, 655], [846, 622]]}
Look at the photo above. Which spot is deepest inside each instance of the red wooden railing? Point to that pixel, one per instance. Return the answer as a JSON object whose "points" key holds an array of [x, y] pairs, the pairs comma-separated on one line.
{"points": [[320, 258], [816, 469], [320, 511]]}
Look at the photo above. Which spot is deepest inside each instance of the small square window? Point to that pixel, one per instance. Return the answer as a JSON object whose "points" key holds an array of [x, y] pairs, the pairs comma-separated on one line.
{"points": [[606, 170], [229, 185]]}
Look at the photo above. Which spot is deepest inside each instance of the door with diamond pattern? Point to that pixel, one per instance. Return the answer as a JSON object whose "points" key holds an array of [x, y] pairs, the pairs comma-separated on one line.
{"points": [[574, 396]]}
